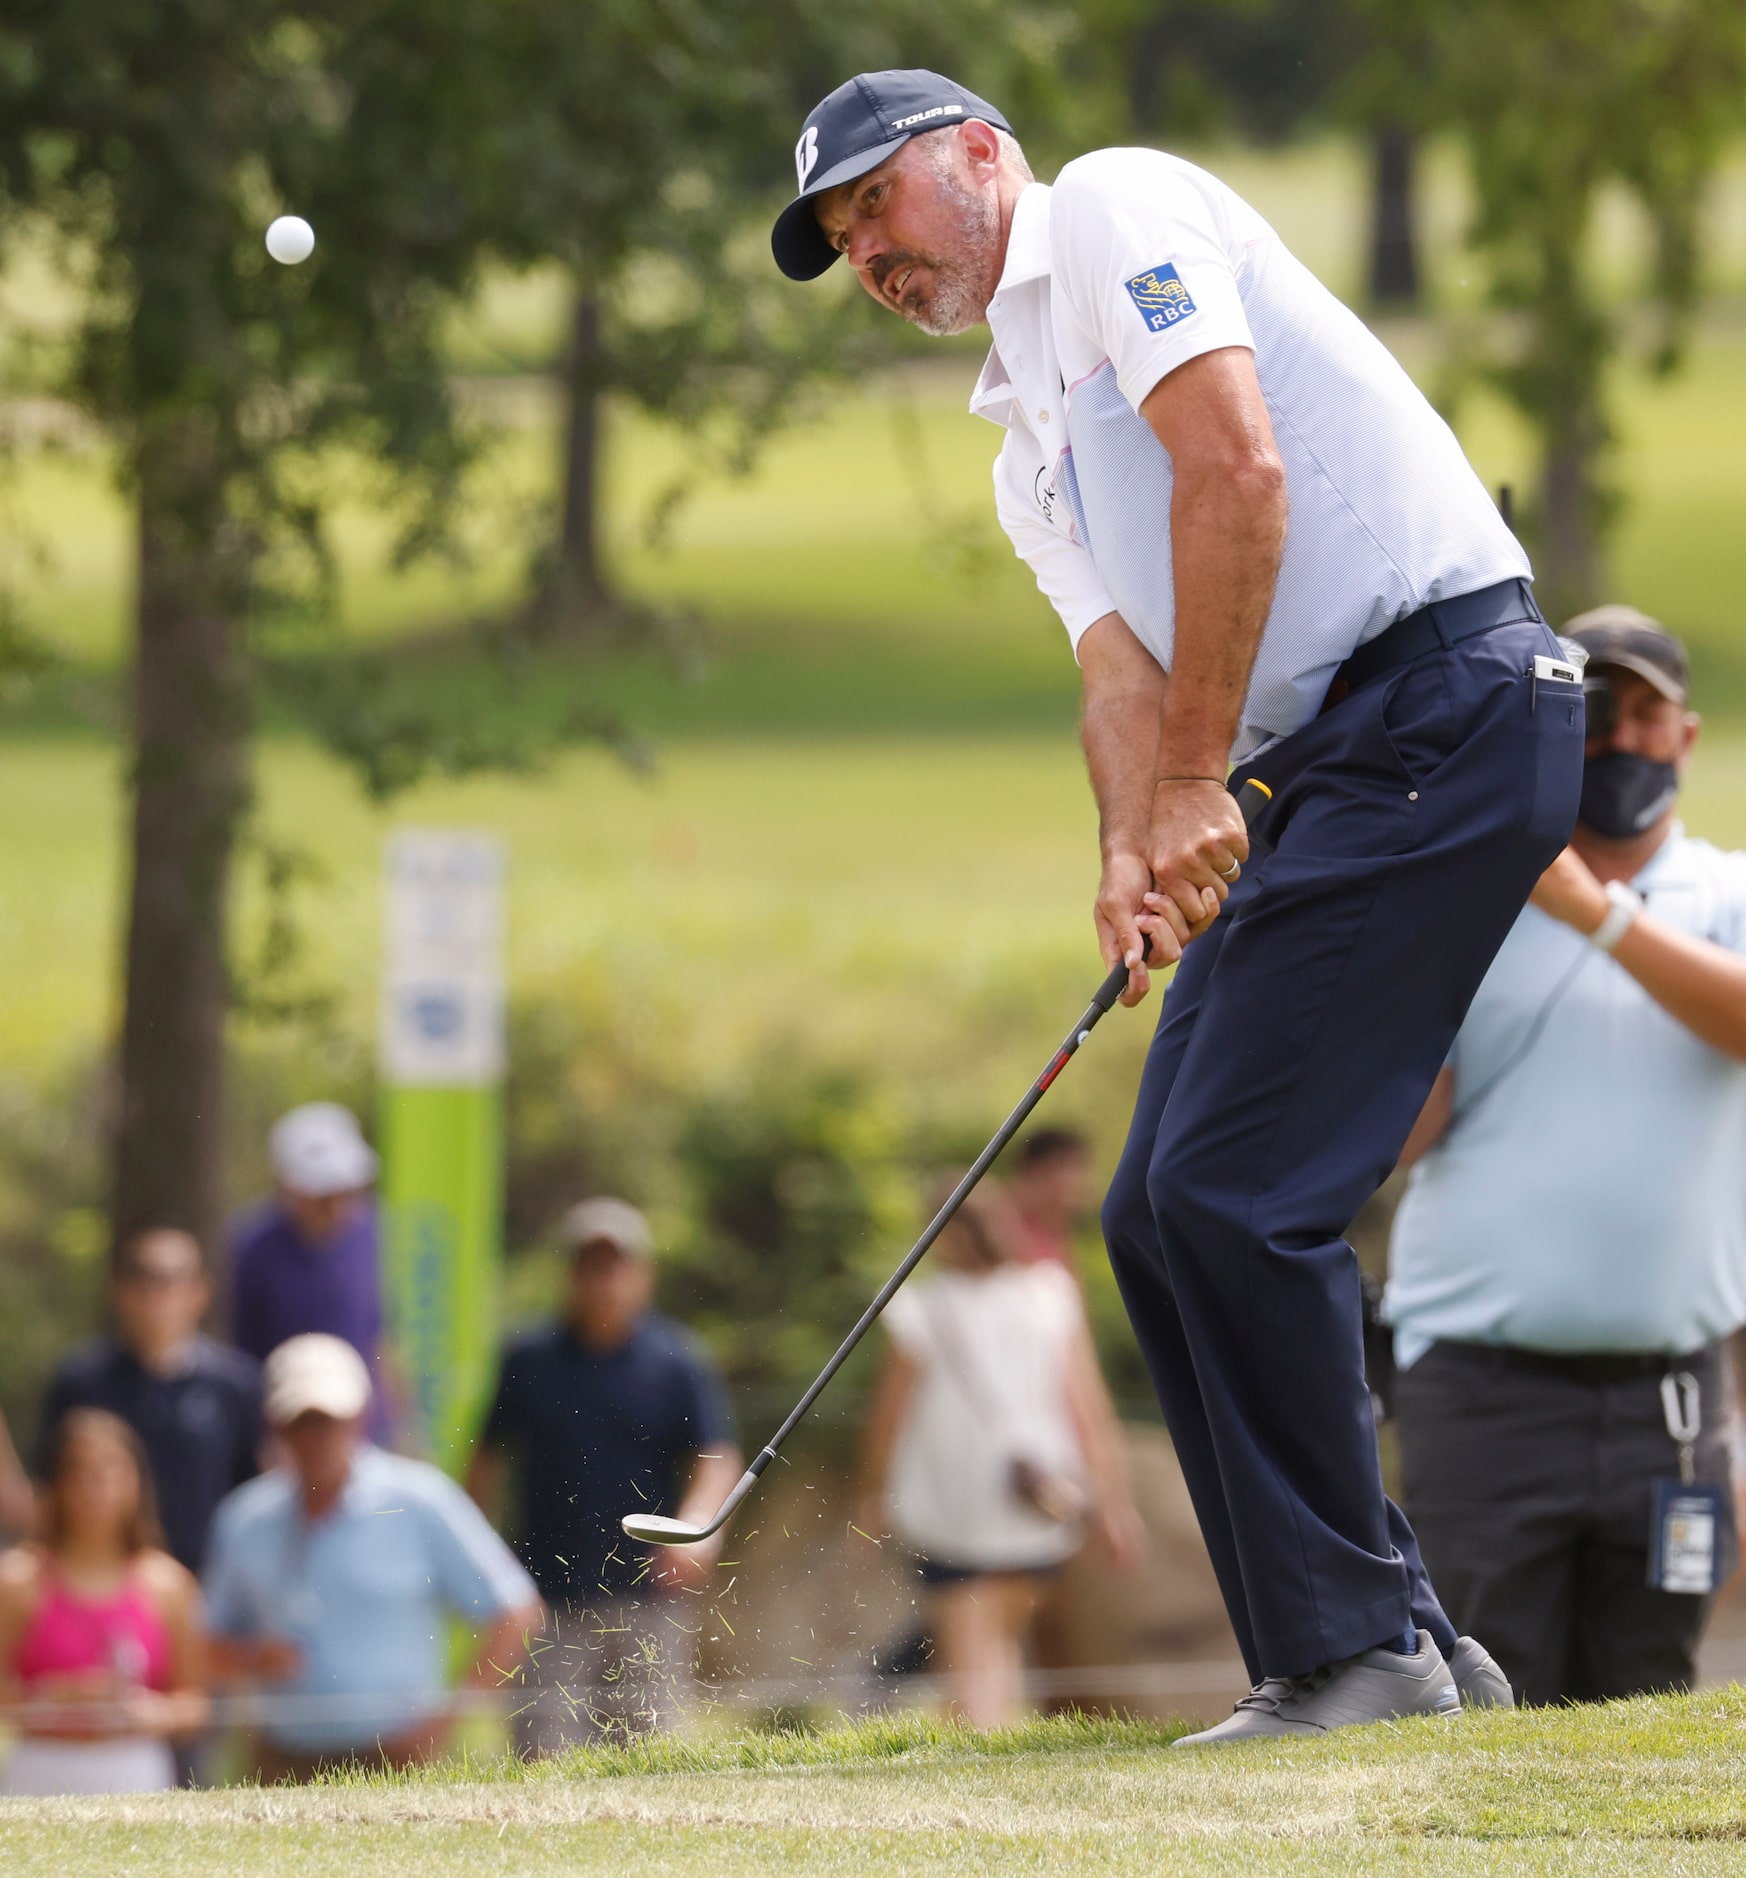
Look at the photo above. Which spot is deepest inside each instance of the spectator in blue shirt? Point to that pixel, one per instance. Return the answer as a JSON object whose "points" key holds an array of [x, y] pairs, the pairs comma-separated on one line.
{"points": [[1570, 1258], [195, 1404], [611, 1410], [331, 1582], [307, 1259]]}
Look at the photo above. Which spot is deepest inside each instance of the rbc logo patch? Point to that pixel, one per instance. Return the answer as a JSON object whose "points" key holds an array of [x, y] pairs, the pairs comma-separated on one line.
{"points": [[1160, 296]]}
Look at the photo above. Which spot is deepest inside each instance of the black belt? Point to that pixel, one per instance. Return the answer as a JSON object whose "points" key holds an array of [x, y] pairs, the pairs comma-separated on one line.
{"points": [[1593, 1369], [1442, 623]]}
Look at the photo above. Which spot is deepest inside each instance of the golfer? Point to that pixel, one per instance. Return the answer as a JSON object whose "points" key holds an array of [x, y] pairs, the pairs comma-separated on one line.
{"points": [[1268, 551]]}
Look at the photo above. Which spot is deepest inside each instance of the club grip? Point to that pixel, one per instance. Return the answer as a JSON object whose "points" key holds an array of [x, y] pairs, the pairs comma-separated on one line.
{"points": [[1253, 796]]}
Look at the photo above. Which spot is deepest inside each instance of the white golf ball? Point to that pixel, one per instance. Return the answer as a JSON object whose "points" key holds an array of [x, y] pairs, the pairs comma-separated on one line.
{"points": [[290, 239]]}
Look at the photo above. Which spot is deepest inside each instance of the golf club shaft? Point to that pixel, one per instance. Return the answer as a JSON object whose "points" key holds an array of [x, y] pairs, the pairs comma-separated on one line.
{"points": [[1252, 797]]}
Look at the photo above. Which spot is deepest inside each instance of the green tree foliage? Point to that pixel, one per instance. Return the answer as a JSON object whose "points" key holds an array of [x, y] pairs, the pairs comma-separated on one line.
{"points": [[642, 145], [1553, 100], [803, 1205], [154, 144], [661, 211]]}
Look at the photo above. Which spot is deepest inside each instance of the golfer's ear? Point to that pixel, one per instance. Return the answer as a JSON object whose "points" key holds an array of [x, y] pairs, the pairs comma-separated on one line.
{"points": [[979, 143]]}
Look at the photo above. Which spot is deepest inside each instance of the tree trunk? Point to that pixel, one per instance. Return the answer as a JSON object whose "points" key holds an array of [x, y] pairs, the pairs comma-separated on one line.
{"points": [[1394, 256], [190, 792], [1569, 565], [578, 596], [1561, 387]]}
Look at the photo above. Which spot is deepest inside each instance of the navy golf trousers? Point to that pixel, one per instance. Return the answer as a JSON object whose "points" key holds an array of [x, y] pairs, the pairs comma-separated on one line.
{"points": [[1298, 1041]]}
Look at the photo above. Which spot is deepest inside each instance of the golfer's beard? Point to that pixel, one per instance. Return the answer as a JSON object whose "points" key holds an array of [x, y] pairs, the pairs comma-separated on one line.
{"points": [[962, 288]]}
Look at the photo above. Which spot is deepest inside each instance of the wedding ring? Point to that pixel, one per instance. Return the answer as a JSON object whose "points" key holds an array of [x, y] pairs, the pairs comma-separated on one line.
{"points": [[1236, 869]]}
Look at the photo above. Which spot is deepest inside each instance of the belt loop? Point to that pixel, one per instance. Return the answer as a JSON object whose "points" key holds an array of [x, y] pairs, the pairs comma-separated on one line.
{"points": [[1435, 613]]}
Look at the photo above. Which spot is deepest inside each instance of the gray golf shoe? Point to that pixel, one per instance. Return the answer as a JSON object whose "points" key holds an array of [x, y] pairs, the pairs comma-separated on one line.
{"points": [[1480, 1682], [1378, 1685]]}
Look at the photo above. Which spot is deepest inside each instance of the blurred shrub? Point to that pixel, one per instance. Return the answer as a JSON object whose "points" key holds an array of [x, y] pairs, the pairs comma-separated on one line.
{"points": [[782, 1192], [53, 1234], [803, 1198]]}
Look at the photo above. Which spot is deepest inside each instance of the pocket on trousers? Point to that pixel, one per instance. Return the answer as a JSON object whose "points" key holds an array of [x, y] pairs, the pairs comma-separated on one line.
{"points": [[1559, 732], [1418, 719]]}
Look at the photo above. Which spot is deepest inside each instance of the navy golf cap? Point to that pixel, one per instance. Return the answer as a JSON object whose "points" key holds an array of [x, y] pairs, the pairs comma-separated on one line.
{"points": [[853, 131]]}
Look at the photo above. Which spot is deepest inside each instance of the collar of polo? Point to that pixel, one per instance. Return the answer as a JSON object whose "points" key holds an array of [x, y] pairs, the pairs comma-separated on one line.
{"points": [[1027, 239]]}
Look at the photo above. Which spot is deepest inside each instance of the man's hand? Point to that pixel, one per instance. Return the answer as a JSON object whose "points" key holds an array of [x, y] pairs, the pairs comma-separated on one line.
{"points": [[1568, 891], [1198, 842], [1121, 901]]}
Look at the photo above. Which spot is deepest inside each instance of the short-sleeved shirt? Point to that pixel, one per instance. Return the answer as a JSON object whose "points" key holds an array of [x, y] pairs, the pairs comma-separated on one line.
{"points": [[992, 1356], [1131, 266], [599, 1434], [365, 1593], [200, 1425], [1590, 1192], [283, 1287]]}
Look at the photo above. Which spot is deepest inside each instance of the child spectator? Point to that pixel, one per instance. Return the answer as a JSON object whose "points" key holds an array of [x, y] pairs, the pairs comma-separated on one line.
{"points": [[102, 1658], [1051, 1194], [990, 1448]]}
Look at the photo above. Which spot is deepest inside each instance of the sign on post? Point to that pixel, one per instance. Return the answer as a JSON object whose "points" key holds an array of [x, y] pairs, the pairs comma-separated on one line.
{"points": [[442, 1126]]}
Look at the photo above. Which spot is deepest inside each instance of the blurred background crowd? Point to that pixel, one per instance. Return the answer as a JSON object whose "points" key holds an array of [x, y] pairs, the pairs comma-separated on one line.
{"points": [[534, 502], [227, 1569]]}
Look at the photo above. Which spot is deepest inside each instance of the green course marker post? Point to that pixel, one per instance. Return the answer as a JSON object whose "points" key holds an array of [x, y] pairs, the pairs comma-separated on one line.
{"points": [[442, 1065]]}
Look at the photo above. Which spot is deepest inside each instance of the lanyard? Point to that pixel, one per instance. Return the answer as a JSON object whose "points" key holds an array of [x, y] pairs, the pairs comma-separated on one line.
{"points": [[1682, 1407]]}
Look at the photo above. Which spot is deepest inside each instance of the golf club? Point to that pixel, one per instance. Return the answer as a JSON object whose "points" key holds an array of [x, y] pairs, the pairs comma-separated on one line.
{"points": [[656, 1528]]}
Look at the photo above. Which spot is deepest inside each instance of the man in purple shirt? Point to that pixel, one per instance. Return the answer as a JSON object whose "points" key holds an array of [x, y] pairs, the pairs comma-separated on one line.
{"points": [[306, 1260]]}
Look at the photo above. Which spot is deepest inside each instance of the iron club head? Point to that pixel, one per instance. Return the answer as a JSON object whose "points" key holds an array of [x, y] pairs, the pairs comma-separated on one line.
{"points": [[655, 1529]]}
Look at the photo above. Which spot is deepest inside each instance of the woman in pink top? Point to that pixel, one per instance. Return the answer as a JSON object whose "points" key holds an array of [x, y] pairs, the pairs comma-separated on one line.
{"points": [[101, 1646]]}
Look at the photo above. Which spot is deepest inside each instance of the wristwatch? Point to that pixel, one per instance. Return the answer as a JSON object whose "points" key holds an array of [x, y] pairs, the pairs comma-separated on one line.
{"points": [[1621, 917]]}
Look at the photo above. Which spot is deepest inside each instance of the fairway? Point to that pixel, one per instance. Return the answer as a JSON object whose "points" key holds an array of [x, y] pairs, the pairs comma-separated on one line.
{"points": [[1647, 1786]]}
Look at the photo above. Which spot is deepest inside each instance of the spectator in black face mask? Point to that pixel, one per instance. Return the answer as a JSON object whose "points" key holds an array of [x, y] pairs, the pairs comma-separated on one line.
{"points": [[1571, 1253]]}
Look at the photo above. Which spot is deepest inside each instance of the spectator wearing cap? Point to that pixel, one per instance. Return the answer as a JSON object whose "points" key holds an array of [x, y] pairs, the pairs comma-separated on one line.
{"points": [[611, 1409], [333, 1580], [194, 1403], [307, 1260], [1570, 1255]]}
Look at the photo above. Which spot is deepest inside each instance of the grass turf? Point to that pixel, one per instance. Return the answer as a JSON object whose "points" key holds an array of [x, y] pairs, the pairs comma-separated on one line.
{"points": [[1645, 1786]]}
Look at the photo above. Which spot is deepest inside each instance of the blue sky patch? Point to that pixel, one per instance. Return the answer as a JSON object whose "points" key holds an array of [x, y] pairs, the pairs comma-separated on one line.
{"points": [[1160, 296]]}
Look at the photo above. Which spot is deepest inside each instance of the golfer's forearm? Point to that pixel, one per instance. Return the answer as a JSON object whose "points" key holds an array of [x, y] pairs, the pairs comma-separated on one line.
{"points": [[1694, 980], [1227, 532], [1119, 725]]}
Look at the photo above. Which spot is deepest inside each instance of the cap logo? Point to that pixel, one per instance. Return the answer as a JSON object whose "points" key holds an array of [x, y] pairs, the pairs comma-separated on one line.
{"points": [[806, 154], [921, 117]]}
